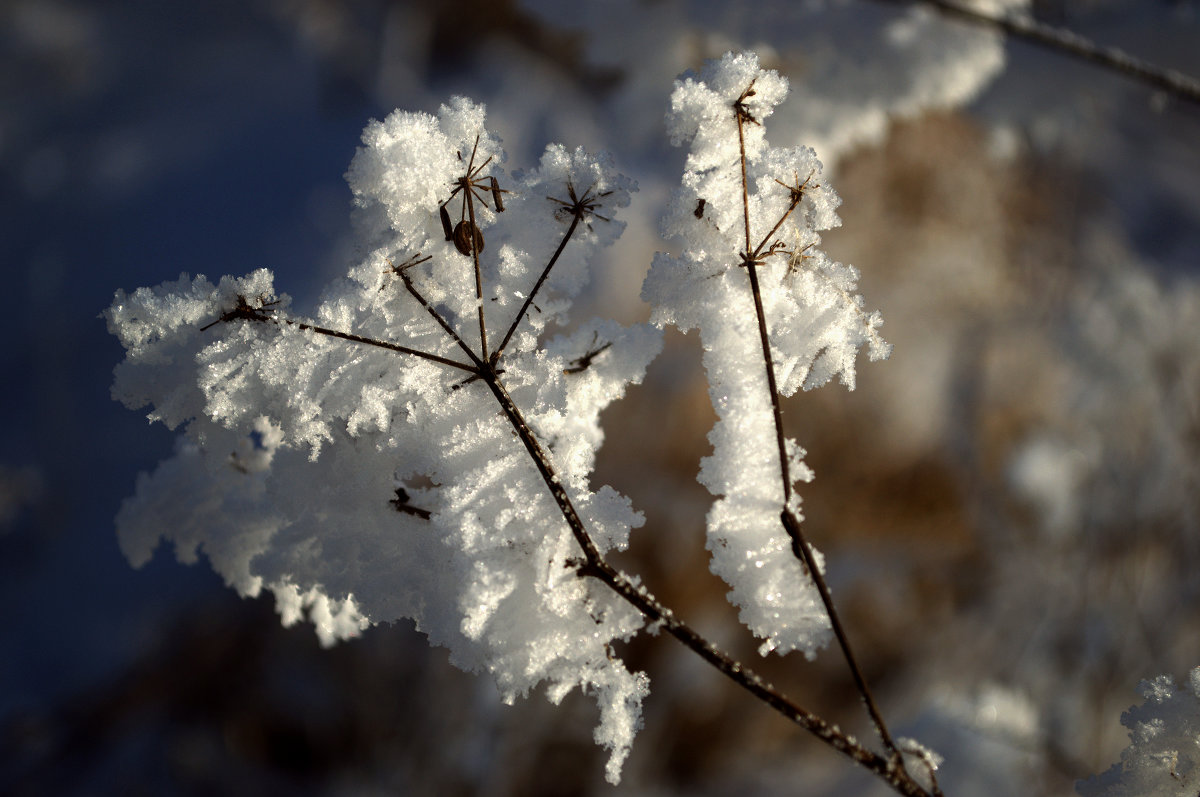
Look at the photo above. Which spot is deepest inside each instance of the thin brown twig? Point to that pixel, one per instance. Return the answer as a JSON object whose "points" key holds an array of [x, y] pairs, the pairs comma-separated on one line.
{"points": [[516, 322], [333, 333], [595, 566], [483, 347], [749, 260], [442, 322], [580, 206], [797, 195], [1069, 43], [742, 115], [800, 547], [244, 312], [467, 186]]}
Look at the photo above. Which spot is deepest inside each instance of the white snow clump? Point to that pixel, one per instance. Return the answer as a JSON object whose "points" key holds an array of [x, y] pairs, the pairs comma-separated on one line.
{"points": [[1163, 757], [362, 484], [816, 325]]}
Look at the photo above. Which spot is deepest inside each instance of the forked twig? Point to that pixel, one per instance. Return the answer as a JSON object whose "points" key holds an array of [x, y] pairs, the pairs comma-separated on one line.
{"points": [[244, 311], [466, 235], [580, 207], [751, 260], [593, 564], [402, 272]]}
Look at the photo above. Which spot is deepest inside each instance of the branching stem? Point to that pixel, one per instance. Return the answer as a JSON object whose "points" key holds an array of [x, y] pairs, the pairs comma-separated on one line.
{"points": [[246, 313], [761, 244], [594, 565], [790, 522], [482, 368], [516, 322], [442, 322]]}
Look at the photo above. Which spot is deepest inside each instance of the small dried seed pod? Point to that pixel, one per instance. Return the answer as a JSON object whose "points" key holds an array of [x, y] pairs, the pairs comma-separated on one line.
{"points": [[446, 228], [464, 231], [496, 196]]}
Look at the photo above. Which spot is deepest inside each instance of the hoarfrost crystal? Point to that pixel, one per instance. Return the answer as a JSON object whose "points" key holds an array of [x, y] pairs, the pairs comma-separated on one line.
{"points": [[343, 461], [741, 200], [1163, 757], [419, 447]]}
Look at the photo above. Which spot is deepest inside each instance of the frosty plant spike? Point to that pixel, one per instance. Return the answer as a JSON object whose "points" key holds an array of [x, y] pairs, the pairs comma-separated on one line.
{"points": [[750, 228], [459, 472]]}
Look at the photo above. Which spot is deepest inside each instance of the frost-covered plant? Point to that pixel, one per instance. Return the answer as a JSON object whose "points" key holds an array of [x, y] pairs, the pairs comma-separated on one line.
{"points": [[1163, 757], [752, 280], [421, 446]]}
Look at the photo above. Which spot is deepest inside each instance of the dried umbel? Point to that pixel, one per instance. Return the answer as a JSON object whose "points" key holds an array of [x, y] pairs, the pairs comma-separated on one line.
{"points": [[466, 235]]}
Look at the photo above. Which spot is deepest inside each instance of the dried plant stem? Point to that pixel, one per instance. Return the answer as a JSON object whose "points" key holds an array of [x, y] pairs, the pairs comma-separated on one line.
{"points": [[516, 322], [791, 523], [777, 411], [333, 333], [443, 323], [245, 312], [594, 565], [1067, 42], [474, 239]]}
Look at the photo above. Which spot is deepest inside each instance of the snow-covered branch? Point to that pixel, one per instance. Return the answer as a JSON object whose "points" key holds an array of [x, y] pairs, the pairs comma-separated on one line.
{"points": [[422, 447]]}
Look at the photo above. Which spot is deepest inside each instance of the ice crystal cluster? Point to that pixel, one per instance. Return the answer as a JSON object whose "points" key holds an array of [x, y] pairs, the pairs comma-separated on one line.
{"points": [[355, 462], [740, 197], [1163, 757], [365, 485]]}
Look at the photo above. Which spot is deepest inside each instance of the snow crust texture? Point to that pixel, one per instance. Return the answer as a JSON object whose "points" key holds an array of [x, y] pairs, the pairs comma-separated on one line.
{"points": [[1163, 757], [361, 484]]}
